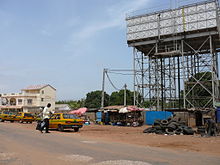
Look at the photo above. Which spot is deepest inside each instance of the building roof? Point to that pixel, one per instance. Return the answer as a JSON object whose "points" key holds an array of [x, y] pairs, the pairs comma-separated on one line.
{"points": [[36, 87]]}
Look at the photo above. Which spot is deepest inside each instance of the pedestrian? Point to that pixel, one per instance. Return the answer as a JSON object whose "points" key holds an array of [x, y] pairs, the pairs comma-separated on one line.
{"points": [[211, 127], [46, 115]]}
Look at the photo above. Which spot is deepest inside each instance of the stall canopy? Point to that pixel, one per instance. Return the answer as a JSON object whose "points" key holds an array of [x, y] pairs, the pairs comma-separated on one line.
{"points": [[130, 109], [134, 108], [79, 111]]}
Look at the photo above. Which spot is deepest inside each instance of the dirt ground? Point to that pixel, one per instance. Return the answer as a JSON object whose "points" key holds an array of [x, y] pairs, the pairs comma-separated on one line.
{"points": [[135, 135]]}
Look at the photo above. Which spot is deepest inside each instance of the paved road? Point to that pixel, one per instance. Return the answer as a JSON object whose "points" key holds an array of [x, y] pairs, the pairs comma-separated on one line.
{"points": [[23, 146]]}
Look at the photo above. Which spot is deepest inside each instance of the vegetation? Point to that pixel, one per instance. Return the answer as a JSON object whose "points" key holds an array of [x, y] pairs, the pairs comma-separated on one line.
{"points": [[93, 99], [72, 103], [117, 98]]}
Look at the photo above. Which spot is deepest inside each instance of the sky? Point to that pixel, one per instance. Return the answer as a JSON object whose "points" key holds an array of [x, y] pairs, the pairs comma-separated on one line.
{"points": [[66, 43]]}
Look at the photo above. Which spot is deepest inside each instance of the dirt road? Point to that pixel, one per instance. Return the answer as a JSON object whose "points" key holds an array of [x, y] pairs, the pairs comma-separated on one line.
{"points": [[20, 144]]}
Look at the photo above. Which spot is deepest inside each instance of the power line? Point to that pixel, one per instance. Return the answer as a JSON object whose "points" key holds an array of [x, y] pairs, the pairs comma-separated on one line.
{"points": [[128, 74], [112, 83]]}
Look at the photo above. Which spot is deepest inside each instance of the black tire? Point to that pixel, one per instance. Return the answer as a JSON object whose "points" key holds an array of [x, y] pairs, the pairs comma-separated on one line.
{"points": [[76, 129], [60, 128], [164, 122], [2, 120], [159, 132], [157, 127], [188, 131], [157, 122], [12, 121], [30, 122], [173, 125], [21, 121], [149, 130], [169, 119], [178, 131], [169, 131]]}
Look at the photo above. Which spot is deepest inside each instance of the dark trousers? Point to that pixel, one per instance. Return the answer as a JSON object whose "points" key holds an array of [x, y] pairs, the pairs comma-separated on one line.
{"points": [[46, 125]]}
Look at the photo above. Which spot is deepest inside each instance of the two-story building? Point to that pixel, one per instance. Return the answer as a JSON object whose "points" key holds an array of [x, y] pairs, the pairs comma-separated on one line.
{"points": [[31, 99]]}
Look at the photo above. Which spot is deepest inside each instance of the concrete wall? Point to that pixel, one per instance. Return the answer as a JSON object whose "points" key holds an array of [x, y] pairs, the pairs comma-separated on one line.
{"points": [[48, 94]]}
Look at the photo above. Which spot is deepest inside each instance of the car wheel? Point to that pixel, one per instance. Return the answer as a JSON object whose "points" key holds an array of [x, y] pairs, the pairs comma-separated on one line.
{"points": [[2, 120], [76, 129], [12, 121], [21, 121], [60, 128]]}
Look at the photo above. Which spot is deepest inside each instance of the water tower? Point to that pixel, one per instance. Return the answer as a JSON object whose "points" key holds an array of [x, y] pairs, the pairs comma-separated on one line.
{"points": [[175, 55]]}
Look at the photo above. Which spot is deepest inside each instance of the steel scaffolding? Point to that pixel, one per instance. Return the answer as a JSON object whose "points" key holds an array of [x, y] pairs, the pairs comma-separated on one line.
{"points": [[168, 79], [179, 70]]}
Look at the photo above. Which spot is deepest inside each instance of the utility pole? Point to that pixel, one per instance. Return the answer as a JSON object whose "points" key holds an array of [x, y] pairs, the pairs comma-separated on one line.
{"points": [[103, 88], [125, 86]]}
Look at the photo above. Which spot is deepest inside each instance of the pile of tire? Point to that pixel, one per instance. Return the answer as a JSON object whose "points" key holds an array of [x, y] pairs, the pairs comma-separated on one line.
{"points": [[169, 127]]}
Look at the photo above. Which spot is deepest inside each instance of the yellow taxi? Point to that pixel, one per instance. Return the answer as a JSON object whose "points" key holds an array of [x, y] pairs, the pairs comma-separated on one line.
{"points": [[63, 121], [37, 117], [25, 117], [7, 116]]}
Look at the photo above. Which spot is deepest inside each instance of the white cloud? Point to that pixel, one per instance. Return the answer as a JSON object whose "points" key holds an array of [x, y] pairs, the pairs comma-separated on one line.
{"points": [[116, 15], [46, 32], [116, 19]]}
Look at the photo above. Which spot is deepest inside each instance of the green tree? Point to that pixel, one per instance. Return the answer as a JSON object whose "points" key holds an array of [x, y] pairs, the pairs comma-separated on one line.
{"points": [[93, 99], [74, 104], [117, 97]]}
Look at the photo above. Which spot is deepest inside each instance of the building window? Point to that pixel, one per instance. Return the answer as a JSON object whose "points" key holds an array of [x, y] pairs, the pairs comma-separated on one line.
{"points": [[4, 101], [12, 101], [29, 101], [42, 99], [42, 91], [19, 101]]}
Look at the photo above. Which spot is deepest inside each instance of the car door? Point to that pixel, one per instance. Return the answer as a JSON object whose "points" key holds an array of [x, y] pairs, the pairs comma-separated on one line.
{"points": [[54, 121], [18, 116]]}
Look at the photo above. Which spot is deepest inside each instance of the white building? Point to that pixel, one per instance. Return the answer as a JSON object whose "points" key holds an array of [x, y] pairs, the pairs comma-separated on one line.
{"points": [[31, 99]]}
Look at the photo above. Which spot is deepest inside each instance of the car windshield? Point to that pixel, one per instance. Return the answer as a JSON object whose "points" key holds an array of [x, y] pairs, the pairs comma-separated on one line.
{"points": [[69, 116], [28, 115]]}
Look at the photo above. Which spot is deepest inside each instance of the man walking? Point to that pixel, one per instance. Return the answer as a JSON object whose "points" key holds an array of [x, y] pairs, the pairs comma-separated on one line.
{"points": [[46, 115]]}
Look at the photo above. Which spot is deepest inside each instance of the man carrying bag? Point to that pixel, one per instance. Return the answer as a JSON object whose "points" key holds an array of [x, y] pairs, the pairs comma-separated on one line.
{"points": [[46, 115]]}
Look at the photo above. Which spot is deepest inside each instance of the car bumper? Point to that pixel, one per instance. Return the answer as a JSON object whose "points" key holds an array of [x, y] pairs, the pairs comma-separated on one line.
{"points": [[72, 126]]}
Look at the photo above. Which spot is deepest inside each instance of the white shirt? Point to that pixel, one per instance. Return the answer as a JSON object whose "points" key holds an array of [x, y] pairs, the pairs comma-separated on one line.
{"points": [[46, 113]]}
